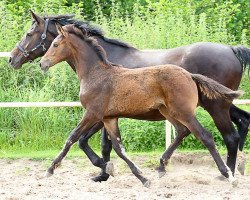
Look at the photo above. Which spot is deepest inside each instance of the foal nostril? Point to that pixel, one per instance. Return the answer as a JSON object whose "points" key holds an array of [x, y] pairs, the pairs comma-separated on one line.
{"points": [[10, 60]]}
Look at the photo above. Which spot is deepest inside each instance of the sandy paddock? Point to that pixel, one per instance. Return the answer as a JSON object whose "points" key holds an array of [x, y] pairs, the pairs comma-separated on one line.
{"points": [[190, 176]]}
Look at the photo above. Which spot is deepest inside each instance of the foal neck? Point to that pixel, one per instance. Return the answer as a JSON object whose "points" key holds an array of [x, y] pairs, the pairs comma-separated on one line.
{"points": [[85, 58]]}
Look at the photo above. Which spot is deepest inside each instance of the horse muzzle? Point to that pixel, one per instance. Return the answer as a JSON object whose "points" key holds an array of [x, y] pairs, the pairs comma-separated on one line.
{"points": [[45, 64], [16, 61]]}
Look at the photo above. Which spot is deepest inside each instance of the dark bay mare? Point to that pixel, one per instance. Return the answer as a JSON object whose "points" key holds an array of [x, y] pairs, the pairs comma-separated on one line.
{"points": [[222, 63], [107, 93]]}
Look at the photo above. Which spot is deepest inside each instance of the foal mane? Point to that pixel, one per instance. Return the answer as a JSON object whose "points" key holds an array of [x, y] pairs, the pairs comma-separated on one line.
{"points": [[89, 28], [82, 34]]}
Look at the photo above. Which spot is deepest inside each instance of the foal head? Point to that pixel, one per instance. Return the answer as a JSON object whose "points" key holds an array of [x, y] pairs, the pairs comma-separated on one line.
{"points": [[71, 41], [60, 50]]}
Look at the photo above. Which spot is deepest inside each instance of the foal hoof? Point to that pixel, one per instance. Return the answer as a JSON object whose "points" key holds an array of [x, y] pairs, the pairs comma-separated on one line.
{"points": [[110, 168], [48, 174], [161, 173], [147, 183]]}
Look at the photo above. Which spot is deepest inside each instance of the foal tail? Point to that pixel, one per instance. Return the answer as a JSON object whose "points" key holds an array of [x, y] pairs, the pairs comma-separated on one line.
{"points": [[243, 55], [214, 90]]}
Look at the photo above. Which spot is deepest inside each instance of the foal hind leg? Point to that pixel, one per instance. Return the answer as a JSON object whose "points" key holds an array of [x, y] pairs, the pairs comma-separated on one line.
{"points": [[182, 132], [206, 138], [94, 158], [242, 120], [112, 127]]}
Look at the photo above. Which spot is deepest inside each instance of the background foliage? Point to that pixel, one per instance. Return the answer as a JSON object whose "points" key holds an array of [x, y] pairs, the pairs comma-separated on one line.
{"points": [[147, 24]]}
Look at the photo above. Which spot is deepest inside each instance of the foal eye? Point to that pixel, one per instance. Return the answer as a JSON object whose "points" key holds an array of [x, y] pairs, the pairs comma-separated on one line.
{"points": [[29, 34], [55, 45]]}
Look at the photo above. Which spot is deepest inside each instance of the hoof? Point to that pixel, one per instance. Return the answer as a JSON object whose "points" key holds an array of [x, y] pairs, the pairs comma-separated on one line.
{"points": [[110, 168], [48, 174], [221, 178], [147, 183], [234, 182], [241, 168], [161, 173], [101, 177]]}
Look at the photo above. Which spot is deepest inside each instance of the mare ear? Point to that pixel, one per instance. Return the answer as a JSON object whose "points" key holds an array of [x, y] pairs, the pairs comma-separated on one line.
{"points": [[60, 30], [36, 17]]}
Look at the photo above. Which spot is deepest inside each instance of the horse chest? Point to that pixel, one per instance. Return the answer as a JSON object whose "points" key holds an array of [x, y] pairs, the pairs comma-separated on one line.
{"points": [[87, 92]]}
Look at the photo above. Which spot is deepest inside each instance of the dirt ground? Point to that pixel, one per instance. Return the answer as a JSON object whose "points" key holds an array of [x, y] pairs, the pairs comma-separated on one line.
{"points": [[189, 176]]}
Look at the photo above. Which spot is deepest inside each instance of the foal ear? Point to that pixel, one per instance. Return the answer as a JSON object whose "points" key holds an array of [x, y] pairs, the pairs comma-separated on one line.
{"points": [[36, 17], [60, 30]]}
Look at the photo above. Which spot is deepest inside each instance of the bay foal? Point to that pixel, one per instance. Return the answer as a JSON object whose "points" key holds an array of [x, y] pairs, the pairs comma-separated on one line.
{"points": [[131, 93]]}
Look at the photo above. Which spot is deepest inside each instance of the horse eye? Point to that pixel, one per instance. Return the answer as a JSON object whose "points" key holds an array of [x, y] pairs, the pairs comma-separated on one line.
{"points": [[29, 34], [55, 45]]}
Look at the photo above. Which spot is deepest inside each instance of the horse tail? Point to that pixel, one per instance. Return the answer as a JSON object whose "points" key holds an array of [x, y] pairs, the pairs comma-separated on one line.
{"points": [[214, 90], [243, 55]]}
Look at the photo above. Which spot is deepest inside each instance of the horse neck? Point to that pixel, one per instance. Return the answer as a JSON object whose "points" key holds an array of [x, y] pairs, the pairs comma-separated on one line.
{"points": [[115, 52]]}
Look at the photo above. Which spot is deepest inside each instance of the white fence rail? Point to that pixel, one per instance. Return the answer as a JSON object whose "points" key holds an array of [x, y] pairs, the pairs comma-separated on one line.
{"points": [[169, 127], [4, 54]]}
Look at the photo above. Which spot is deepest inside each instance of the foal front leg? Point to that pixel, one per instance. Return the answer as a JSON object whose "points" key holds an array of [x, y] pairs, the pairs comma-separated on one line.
{"points": [[85, 124], [112, 127]]}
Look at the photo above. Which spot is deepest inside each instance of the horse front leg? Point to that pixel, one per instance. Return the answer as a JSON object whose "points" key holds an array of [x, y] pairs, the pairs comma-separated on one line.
{"points": [[106, 150], [85, 124]]}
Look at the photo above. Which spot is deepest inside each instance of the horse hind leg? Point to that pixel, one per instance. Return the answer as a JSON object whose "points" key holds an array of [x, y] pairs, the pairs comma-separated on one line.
{"points": [[206, 138], [222, 120], [112, 127], [182, 132], [241, 119]]}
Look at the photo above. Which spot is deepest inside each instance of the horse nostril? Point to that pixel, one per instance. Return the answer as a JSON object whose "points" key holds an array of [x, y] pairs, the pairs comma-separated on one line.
{"points": [[10, 60]]}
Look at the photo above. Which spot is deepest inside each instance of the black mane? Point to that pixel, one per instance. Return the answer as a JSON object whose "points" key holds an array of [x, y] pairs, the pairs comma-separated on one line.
{"points": [[86, 26]]}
